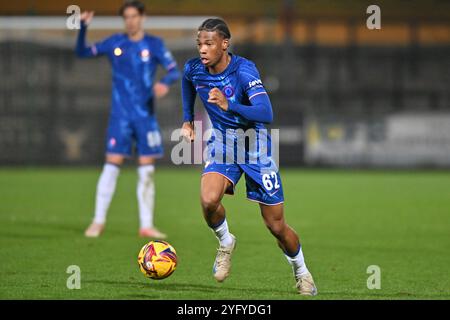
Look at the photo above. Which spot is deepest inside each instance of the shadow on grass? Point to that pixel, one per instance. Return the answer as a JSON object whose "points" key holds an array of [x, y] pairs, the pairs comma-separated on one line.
{"points": [[52, 229], [15, 236], [379, 296], [161, 287]]}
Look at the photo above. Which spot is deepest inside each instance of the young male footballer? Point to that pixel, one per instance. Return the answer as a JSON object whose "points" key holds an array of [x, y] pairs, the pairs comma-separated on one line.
{"points": [[134, 57], [235, 99]]}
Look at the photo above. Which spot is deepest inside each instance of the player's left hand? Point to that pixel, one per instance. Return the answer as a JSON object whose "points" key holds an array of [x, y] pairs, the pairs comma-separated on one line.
{"points": [[216, 97], [160, 90]]}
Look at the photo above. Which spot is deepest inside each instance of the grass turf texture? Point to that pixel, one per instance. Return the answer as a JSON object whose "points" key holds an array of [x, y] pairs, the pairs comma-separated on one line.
{"points": [[347, 220]]}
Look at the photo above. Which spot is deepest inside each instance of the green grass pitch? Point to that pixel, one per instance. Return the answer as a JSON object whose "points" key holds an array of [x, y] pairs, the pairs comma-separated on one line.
{"points": [[347, 220]]}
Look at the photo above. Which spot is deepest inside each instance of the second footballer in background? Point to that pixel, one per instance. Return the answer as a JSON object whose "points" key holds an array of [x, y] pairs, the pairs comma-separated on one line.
{"points": [[134, 57]]}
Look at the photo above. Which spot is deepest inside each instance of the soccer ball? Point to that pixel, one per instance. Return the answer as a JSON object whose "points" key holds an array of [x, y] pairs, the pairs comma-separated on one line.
{"points": [[157, 259]]}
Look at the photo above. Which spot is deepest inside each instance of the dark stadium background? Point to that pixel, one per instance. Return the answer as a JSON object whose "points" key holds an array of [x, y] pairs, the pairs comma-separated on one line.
{"points": [[343, 95]]}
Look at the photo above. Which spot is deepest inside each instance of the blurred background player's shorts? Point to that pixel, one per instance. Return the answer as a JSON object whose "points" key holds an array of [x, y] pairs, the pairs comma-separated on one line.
{"points": [[142, 132]]}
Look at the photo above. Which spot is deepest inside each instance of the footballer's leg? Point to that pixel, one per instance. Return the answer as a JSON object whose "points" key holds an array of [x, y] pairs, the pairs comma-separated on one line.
{"points": [[288, 241], [213, 187], [105, 191], [264, 186], [119, 142], [146, 198], [149, 147]]}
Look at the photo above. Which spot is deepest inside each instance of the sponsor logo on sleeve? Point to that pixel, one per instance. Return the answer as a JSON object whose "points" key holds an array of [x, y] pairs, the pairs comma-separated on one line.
{"points": [[255, 83]]}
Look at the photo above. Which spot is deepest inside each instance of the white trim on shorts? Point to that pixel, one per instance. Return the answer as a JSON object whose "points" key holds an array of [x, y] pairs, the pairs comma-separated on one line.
{"points": [[267, 204]]}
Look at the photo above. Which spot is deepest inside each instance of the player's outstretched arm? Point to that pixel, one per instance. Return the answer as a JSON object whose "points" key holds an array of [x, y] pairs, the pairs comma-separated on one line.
{"points": [[260, 109], [161, 88], [166, 59], [188, 95], [171, 76], [188, 131], [82, 50], [188, 98]]}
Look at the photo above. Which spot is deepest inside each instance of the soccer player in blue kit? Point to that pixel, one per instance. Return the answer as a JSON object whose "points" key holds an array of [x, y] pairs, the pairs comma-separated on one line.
{"points": [[234, 97], [134, 57]]}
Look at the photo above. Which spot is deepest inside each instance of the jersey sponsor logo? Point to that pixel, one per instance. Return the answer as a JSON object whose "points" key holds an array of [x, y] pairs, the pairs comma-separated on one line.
{"points": [[145, 55], [118, 52], [228, 91], [254, 83]]}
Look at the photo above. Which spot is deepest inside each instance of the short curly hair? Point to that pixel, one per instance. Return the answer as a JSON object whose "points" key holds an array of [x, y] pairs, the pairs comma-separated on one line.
{"points": [[216, 24]]}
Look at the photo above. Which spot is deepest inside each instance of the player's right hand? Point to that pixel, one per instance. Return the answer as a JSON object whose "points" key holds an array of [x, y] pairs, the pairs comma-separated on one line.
{"points": [[87, 17], [188, 131]]}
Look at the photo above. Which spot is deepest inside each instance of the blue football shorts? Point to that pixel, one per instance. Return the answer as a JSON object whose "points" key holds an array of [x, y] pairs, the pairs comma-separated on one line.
{"points": [[142, 133], [263, 183]]}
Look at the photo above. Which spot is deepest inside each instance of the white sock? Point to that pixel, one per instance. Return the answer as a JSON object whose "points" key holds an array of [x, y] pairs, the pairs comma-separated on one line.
{"points": [[146, 195], [105, 190], [298, 264], [223, 234]]}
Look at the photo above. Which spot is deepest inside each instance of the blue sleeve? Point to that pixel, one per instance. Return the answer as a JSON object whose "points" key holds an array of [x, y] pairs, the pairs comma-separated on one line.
{"points": [[81, 49], [166, 59], [188, 97], [84, 51], [260, 108]]}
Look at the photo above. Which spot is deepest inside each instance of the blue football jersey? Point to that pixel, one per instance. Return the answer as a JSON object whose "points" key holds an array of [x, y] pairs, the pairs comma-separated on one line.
{"points": [[134, 64], [239, 82]]}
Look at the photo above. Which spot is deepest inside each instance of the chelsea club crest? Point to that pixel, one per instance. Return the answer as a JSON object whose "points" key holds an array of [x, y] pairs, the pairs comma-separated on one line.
{"points": [[145, 55], [228, 91]]}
